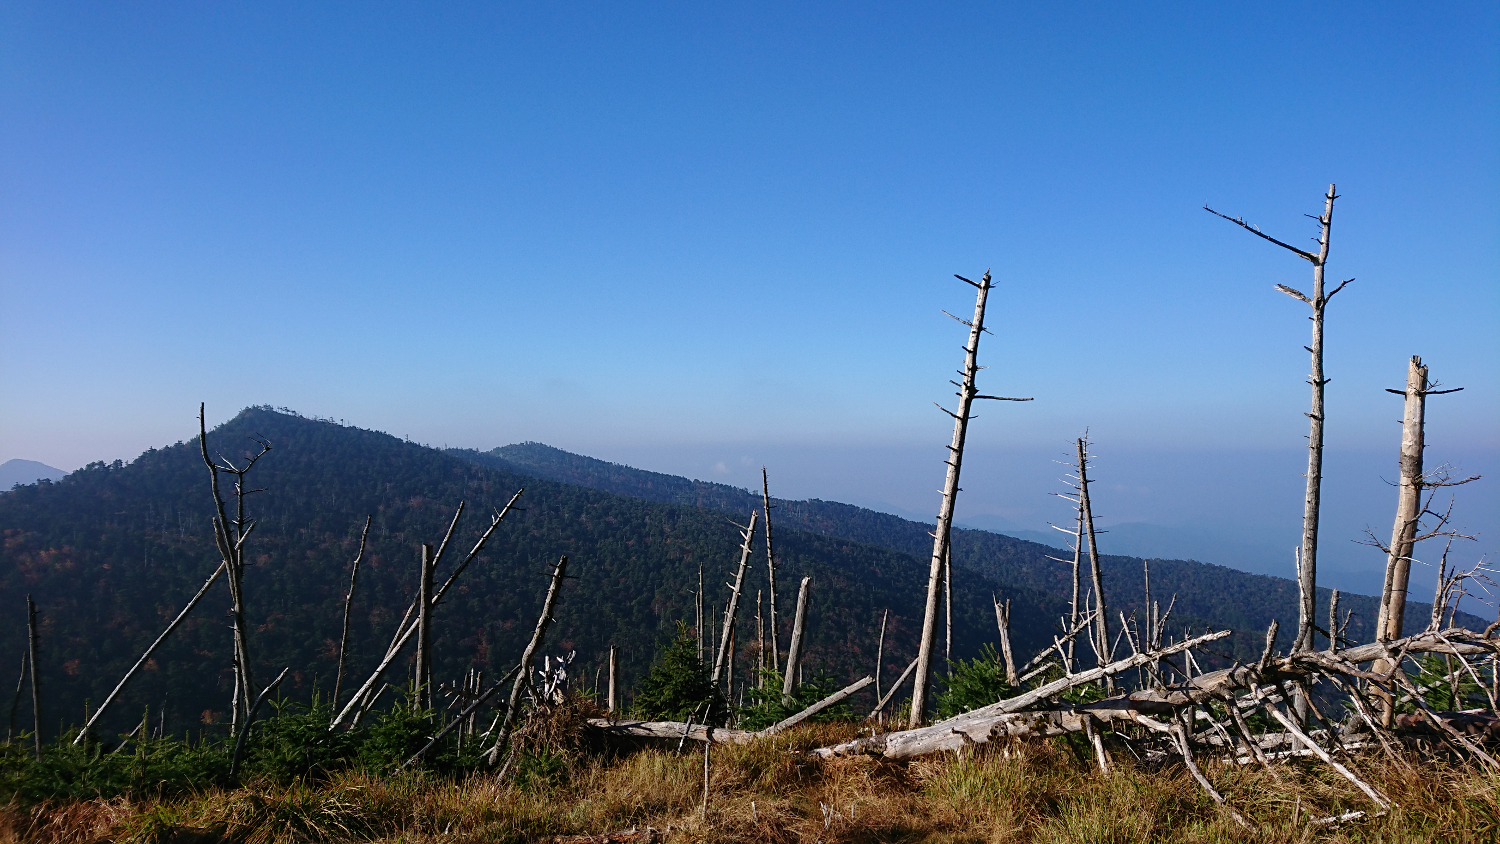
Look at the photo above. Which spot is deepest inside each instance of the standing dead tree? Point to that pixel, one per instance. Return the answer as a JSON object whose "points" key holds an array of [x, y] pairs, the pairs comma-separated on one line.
{"points": [[794, 650], [33, 646], [364, 697], [765, 497], [338, 682], [230, 535], [726, 637], [1307, 573], [424, 631], [943, 533]]}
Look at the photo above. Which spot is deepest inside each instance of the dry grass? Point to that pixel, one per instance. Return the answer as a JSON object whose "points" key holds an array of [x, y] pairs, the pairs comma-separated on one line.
{"points": [[1039, 792]]}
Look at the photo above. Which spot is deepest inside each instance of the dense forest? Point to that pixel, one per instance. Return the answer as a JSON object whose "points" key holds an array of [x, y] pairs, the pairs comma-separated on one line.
{"points": [[113, 551]]}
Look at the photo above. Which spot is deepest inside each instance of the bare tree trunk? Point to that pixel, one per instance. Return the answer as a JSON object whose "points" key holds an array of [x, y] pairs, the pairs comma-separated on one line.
{"points": [[32, 647], [765, 494], [698, 604], [424, 631], [760, 639], [880, 652], [1097, 573], [794, 651], [15, 702], [1002, 620], [147, 655], [244, 731], [729, 667], [942, 535], [611, 702], [948, 610], [734, 602], [338, 682], [1408, 505], [524, 678], [1308, 575]]}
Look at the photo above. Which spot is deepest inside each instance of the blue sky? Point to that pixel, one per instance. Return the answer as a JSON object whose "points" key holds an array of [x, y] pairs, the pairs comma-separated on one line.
{"points": [[699, 239]]}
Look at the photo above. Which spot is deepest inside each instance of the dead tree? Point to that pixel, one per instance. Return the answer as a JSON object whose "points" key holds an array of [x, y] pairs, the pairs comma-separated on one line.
{"points": [[1002, 620], [734, 602], [424, 631], [33, 646], [794, 651], [765, 496], [611, 701], [338, 682], [145, 657], [230, 535], [1318, 301], [943, 533], [523, 681], [364, 697], [880, 651], [1095, 571]]}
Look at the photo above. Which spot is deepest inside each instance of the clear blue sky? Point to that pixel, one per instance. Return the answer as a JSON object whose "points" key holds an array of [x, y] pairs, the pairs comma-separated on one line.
{"points": [[700, 238]]}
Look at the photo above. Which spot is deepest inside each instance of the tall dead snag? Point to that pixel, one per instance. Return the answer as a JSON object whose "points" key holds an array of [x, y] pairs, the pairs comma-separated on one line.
{"points": [[610, 702], [765, 497], [1307, 575], [119, 687], [942, 535], [424, 631], [338, 682], [794, 650], [523, 680], [1095, 571], [32, 646], [748, 532], [1002, 620], [230, 535]]}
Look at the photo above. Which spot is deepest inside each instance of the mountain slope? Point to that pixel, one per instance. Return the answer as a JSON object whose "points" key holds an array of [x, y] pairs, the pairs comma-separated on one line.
{"points": [[113, 551], [18, 471], [1205, 593]]}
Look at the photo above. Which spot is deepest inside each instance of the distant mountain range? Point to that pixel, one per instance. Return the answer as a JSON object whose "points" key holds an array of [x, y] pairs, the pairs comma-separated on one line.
{"points": [[19, 471], [113, 551]]}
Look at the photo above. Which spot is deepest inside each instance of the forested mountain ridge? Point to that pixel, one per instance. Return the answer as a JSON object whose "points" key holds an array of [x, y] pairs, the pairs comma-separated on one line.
{"points": [[1206, 594], [113, 551]]}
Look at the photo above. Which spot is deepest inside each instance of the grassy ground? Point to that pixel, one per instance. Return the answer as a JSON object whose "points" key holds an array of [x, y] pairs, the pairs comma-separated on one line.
{"points": [[1037, 792]]}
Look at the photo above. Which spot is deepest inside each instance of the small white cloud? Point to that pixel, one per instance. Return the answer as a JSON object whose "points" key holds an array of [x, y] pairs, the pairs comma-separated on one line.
{"points": [[720, 468]]}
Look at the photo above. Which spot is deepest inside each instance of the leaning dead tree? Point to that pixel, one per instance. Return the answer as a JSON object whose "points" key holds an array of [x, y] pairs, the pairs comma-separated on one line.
{"points": [[230, 535], [1308, 567], [726, 638], [942, 535], [775, 641], [338, 682]]}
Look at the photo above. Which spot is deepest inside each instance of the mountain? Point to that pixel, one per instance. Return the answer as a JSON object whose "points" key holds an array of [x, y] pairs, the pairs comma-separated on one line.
{"points": [[113, 551], [19, 471], [1205, 594]]}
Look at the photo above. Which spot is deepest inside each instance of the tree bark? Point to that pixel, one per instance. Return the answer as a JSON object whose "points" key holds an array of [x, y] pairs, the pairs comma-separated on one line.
{"points": [[611, 701], [734, 603], [765, 493], [1002, 620], [424, 631], [794, 651], [1408, 504]]}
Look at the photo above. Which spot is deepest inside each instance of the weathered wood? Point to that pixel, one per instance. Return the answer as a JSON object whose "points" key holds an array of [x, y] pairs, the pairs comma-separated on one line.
{"points": [[338, 683], [466, 714], [880, 652], [1002, 621], [765, 497], [611, 702], [734, 603], [821, 705], [119, 687], [424, 630], [891, 692], [794, 650], [1408, 505], [668, 731], [524, 678]]}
